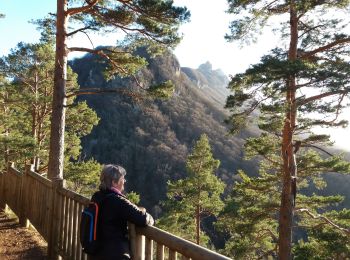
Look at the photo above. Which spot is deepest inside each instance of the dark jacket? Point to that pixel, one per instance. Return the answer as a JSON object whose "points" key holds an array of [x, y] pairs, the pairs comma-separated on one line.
{"points": [[115, 211]]}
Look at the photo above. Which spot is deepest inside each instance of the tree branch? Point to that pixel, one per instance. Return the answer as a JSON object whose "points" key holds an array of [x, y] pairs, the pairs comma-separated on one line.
{"points": [[79, 30], [92, 44], [269, 231], [324, 48], [339, 106], [345, 230], [268, 253], [72, 11], [323, 95], [138, 10], [309, 29], [128, 30], [101, 53], [270, 160], [319, 148], [94, 91]]}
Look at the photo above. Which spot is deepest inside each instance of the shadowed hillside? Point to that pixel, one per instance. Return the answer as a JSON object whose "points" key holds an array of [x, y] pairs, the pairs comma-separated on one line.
{"points": [[152, 139]]}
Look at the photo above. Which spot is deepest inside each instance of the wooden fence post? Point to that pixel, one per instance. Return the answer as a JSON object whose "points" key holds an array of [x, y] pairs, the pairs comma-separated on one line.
{"points": [[55, 220], [2, 188], [136, 243], [132, 239], [23, 220]]}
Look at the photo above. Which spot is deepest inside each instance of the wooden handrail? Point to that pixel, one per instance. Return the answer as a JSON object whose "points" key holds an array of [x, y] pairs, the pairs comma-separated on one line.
{"points": [[40, 178], [15, 171], [178, 244], [61, 209], [73, 195]]}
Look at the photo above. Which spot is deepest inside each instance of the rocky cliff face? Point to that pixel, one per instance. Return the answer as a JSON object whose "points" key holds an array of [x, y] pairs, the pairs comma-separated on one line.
{"points": [[153, 138], [213, 83]]}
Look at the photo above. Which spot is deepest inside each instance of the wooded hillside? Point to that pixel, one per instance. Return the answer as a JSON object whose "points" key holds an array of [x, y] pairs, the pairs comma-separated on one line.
{"points": [[152, 139]]}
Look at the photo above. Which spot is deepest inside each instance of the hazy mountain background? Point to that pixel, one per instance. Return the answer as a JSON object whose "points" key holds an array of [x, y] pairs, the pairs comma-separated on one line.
{"points": [[152, 139]]}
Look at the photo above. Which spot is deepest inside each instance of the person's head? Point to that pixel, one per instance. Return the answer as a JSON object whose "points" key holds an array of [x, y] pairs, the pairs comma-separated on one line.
{"points": [[112, 176]]}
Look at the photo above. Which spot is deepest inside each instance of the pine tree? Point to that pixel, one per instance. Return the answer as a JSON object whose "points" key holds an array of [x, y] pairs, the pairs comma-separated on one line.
{"points": [[152, 22], [250, 214], [195, 197], [295, 89], [27, 107], [4, 122]]}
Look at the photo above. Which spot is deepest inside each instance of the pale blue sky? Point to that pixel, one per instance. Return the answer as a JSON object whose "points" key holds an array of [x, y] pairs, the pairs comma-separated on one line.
{"points": [[208, 19], [15, 27], [203, 38]]}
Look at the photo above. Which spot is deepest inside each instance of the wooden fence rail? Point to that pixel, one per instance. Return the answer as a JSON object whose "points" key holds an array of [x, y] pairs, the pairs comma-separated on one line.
{"points": [[55, 212], [13, 189]]}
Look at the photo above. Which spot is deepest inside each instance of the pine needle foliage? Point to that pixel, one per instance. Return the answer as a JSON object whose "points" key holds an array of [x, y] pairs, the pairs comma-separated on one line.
{"points": [[293, 89], [195, 197], [26, 98], [151, 23]]}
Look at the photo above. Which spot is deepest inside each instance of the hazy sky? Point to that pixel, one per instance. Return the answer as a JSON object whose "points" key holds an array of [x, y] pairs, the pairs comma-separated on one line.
{"points": [[203, 38], [203, 35]]}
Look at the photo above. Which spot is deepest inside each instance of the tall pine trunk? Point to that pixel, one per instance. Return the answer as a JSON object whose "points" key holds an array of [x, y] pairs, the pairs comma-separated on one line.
{"points": [[198, 224], [289, 167], [35, 119], [6, 132], [56, 155]]}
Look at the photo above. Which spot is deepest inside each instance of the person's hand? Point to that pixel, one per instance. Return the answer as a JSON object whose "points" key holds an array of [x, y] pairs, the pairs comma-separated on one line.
{"points": [[150, 220]]}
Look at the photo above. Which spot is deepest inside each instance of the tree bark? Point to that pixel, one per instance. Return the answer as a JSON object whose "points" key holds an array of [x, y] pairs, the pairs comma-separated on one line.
{"points": [[6, 132], [56, 155], [35, 119], [198, 223], [289, 164]]}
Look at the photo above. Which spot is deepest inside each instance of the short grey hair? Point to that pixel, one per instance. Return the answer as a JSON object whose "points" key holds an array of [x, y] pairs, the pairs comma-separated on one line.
{"points": [[110, 173]]}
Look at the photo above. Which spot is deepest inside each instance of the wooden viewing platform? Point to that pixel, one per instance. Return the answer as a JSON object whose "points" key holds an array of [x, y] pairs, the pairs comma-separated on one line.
{"points": [[55, 213]]}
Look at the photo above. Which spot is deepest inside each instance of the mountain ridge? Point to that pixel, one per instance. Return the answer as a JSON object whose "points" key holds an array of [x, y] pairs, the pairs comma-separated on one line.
{"points": [[162, 133], [152, 139]]}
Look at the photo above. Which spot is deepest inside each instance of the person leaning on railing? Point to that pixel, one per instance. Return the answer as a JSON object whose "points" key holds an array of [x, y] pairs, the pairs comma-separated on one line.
{"points": [[115, 211]]}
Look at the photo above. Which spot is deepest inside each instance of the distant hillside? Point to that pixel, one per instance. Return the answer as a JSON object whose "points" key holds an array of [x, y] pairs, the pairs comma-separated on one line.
{"points": [[153, 139], [213, 83]]}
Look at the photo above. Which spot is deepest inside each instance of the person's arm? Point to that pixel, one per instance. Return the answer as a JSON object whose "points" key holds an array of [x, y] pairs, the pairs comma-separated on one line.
{"points": [[149, 218], [134, 214]]}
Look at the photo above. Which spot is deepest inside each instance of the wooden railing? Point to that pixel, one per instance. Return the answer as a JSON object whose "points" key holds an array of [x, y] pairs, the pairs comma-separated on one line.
{"points": [[167, 246], [55, 212]]}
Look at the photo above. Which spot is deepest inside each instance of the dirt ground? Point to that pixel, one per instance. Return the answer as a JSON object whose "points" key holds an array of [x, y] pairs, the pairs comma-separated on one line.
{"points": [[17, 242]]}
